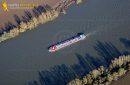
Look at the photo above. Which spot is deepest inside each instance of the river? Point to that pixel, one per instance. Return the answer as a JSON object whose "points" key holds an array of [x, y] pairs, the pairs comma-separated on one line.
{"points": [[23, 56]]}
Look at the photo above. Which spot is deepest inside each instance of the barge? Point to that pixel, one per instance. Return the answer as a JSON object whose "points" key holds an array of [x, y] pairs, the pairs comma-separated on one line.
{"points": [[65, 43]]}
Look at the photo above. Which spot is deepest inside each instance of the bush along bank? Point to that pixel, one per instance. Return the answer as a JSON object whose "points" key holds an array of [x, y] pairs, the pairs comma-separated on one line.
{"points": [[105, 76]]}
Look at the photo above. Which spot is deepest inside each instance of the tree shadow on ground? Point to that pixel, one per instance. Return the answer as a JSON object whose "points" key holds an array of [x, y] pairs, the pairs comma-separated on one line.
{"points": [[62, 74], [38, 10], [126, 42], [107, 51], [1, 31], [17, 19], [8, 26]]}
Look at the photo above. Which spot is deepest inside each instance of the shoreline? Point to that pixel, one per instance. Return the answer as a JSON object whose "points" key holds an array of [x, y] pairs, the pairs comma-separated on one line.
{"points": [[42, 15], [116, 70], [122, 79]]}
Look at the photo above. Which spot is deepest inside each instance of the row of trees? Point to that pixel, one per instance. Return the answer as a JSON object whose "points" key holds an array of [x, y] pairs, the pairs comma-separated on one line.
{"points": [[28, 23], [102, 76]]}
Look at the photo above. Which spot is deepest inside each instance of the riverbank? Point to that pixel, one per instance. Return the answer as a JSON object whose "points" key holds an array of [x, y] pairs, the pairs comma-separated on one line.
{"points": [[124, 80], [105, 76], [41, 15]]}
